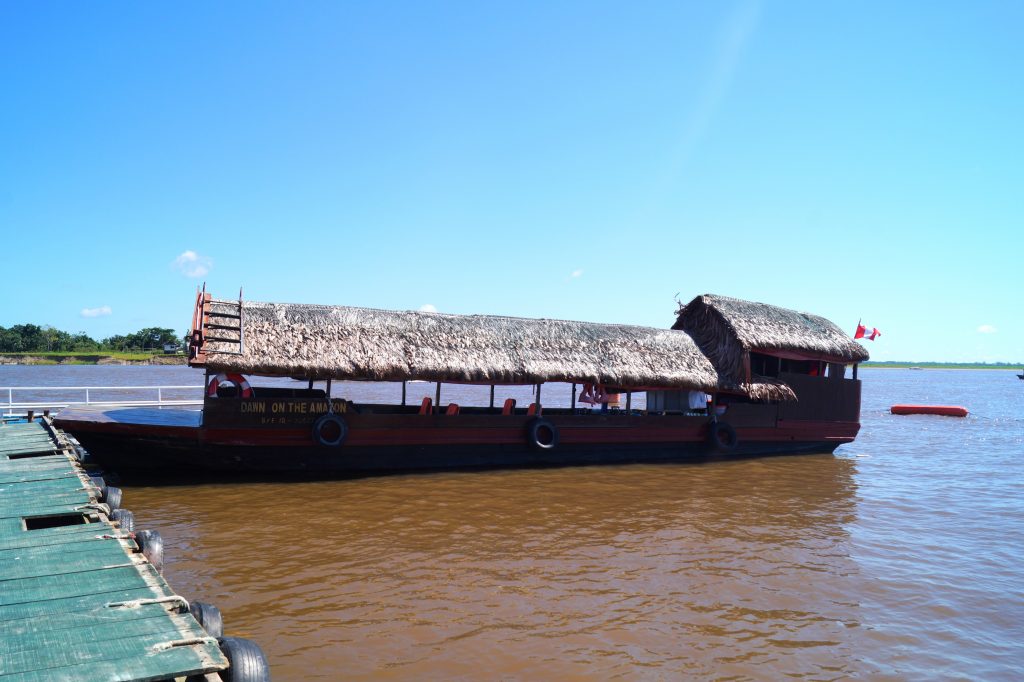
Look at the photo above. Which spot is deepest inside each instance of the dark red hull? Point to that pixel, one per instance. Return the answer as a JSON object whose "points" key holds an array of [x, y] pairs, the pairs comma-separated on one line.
{"points": [[134, 440]]}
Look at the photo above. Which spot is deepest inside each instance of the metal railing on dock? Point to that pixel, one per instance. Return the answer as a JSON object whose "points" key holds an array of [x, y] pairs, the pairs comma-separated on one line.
{"points": [[38, 398]]}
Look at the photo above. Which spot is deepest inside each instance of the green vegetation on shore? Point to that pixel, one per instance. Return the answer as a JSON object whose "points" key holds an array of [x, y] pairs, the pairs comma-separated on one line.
{"points": [[944, 365], [31, 339]]}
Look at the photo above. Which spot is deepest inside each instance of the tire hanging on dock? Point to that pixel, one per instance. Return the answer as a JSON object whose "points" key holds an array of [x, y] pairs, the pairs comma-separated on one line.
{"points": [[124, 519], [330, 430], [151, 544], [112, 497], [209, 617], [722, 437], [541, 434], [246, 659]]}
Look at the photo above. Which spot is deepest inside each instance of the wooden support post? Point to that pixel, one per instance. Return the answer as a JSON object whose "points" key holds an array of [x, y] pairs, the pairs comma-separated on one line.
{"points": [[629, 402], [437, 399], [492, 396], [310, 387], [574, 396], [538, 398], [855, 371], [403, 394]]}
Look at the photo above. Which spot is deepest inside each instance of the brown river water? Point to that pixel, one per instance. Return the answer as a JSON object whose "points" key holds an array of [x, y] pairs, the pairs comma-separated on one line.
{"points": [[899, 557]]}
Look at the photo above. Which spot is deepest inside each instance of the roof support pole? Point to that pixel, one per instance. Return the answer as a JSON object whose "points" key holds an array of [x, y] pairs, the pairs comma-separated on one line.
{"points": [[629, 401], [492, 396], [538, 398], [403, 394], [855, 371], [574, 396], [437, 399], [310, 384]]}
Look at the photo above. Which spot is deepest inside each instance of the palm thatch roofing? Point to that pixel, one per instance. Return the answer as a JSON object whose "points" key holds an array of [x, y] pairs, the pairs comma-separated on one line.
{"points": [[728, 329], [337, 342]]}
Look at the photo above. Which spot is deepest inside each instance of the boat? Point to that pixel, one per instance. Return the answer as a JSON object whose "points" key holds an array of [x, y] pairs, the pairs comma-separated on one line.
{"points": [[729, 378]]}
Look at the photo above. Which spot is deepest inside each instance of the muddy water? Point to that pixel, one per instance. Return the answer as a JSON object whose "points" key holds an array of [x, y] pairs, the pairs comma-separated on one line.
{"points": [[565, 573], [899, 557]]}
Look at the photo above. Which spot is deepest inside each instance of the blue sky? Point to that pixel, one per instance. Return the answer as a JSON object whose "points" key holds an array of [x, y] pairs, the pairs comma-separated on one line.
{"points": [[577, 160]]}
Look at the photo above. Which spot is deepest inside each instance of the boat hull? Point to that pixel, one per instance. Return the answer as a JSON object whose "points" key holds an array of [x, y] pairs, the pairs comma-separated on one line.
{"points": [[413, 442]]}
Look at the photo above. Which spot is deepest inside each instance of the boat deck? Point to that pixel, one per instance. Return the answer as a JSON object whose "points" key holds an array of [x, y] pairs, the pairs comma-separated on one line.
{"points": [[149, 416], [77, 599]]}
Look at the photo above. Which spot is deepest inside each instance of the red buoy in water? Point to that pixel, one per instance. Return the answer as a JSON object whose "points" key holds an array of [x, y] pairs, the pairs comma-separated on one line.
{"points": [[942, 410]]}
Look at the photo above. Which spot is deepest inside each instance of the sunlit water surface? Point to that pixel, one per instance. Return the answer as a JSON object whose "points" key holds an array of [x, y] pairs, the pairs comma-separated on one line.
{"points": [[901, 557]]}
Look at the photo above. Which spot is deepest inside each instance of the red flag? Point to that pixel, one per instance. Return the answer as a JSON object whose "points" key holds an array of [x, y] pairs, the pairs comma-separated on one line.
{"points": [[869, 333]]}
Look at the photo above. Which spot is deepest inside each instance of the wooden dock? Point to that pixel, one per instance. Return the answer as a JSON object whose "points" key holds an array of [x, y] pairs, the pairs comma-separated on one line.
{"points": [[78, 599]]}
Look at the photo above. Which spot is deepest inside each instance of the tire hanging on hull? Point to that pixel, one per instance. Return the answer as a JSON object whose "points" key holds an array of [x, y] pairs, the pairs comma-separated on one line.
{"points": [[541, 434], [722, 437], [330, 430]]}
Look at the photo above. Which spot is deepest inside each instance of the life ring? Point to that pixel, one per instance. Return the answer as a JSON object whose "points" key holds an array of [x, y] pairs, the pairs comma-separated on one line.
{"points": [[237, 379], [722, 437], [541, 434], [330, 430]]}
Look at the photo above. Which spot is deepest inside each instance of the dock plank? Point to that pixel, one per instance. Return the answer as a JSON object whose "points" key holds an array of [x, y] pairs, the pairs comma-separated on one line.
{"points": [[69, 595]]}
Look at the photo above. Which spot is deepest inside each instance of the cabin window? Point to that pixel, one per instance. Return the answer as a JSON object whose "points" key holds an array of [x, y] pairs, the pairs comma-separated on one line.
{"points": [[808, 367], [764, 365], [836, 370]]}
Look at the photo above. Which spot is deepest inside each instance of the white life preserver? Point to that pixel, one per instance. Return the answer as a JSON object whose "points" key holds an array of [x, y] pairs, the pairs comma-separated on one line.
{"points": [[237, 379]]}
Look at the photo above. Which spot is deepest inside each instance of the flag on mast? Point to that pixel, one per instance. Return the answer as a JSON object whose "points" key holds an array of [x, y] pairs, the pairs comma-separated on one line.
{"points": [[869, 333]]}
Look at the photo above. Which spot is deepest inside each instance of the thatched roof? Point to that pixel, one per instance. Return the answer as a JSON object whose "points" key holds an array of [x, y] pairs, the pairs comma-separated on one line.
{"points": [[726, 329], [359, 343]]}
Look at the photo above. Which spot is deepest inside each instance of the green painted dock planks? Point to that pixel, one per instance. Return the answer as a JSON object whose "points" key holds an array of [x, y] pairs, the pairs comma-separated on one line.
{"points": [[78, 601]]}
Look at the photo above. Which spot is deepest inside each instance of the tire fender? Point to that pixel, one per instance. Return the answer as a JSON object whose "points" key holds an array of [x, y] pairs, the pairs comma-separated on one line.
{"points": [[541, 434], [151, 544], [124, 519], [246, 660], [330, 430], [722, 437], [209, 617]]}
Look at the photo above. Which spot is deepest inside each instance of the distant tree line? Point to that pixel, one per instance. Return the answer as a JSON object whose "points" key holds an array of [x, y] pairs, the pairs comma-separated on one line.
{"points": [[31, 338]]}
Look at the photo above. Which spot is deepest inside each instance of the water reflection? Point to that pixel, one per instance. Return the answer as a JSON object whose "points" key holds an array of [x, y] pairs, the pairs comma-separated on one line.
{"points": [[713, 569]]}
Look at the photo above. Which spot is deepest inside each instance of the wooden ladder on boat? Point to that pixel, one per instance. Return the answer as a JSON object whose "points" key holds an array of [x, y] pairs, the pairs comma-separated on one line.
{"points": [[216, 327]]}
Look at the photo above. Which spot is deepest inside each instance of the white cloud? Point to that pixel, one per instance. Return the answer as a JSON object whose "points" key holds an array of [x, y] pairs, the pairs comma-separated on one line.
{"points": [[576, 273], [191, 264], [986, 329], [102, 311], [428, 308]]}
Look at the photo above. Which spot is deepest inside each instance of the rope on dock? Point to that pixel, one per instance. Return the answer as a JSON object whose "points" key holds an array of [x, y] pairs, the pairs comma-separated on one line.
{"points": [[136, 603], [95, 506], [164, 646]]}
